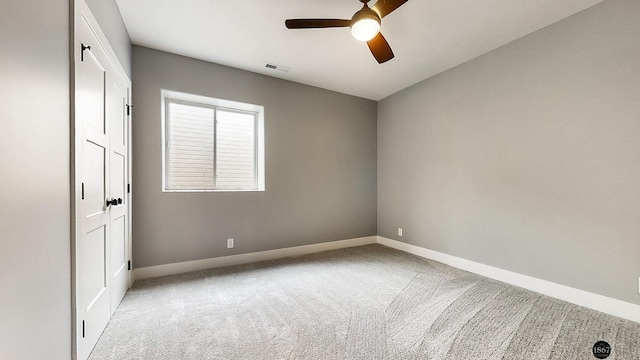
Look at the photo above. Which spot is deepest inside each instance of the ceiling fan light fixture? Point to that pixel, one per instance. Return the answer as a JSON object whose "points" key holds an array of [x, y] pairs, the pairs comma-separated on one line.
{"points": [[365, 24]]}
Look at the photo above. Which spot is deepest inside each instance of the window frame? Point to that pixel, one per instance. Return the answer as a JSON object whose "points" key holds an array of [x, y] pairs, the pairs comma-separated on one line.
{"points": [[214, 104]]}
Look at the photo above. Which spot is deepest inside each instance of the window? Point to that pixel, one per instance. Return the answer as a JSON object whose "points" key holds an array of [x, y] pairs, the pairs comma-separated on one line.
{"points": [[212, 144]]}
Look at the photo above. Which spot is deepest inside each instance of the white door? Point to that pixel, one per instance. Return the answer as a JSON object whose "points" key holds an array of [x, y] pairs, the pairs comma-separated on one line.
{"points": [[101, 173], [93, 301], [118, 125]]}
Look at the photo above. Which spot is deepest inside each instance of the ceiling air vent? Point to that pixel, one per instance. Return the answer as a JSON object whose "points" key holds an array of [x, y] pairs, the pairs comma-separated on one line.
{"points": [[277, 67]]}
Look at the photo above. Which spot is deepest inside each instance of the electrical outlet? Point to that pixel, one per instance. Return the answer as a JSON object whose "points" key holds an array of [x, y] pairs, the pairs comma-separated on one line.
{"points": [[229, 243], [399, 231]]}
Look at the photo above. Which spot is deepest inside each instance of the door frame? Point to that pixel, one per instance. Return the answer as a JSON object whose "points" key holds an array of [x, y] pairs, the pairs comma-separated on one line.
{"points": [[80, 11]]}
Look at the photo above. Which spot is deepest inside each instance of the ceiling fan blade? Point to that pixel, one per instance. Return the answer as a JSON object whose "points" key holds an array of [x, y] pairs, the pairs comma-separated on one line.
{"points": [[385, 7], [316, 23], [380, 48]]}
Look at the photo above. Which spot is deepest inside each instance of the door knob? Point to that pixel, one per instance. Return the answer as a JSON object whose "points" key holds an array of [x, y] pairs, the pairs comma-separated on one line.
{"points": [[114, 201]]}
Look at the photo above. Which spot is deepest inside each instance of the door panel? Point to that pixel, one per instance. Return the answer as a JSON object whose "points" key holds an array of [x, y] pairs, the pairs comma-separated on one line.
{"points": [[95, 270], [94, 176], [90, 79], [118, 122], [118, 179], [118, 248]]}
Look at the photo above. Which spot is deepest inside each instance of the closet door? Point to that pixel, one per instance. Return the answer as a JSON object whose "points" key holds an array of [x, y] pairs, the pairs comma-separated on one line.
{"points": [[93, 298], [101, 150], [118, 212]]}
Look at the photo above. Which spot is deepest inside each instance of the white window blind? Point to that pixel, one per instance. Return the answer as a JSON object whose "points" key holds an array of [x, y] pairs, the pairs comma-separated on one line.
{"points": [[210, 147], [190, 147], [236, 156]]}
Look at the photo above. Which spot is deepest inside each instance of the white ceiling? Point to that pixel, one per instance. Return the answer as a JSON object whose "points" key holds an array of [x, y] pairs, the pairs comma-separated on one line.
{"points": [[427, 36]]}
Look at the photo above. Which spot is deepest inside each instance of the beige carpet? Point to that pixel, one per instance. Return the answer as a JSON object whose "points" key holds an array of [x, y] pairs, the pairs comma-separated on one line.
{"points": [[369, 302]]}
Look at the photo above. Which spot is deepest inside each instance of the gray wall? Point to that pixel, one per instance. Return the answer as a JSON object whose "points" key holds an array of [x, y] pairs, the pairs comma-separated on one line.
{"points": [[108, 16], [527, 158], [35, 301], [320, 166]]}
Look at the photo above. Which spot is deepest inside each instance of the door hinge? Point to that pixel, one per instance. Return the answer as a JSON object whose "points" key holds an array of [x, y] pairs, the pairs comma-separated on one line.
{"points": [[129, 264], [82, 191], [84, 47], [83, 328], [129, 107], [128, 188]]}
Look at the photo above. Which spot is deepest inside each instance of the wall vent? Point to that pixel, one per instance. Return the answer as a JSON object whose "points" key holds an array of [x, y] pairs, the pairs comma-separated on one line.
{"points": [[277, 67]]}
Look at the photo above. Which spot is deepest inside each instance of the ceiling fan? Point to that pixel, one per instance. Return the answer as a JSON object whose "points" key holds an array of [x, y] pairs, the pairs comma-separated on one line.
{"points": [[365, 26]]}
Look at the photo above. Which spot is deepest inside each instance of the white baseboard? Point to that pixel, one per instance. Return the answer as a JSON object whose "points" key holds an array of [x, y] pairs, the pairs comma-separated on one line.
{"points": [[583, 298], [187, 266]]}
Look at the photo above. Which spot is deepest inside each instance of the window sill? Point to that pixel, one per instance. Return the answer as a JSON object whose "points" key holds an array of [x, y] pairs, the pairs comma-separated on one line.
{"points": [[211, 191]]}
